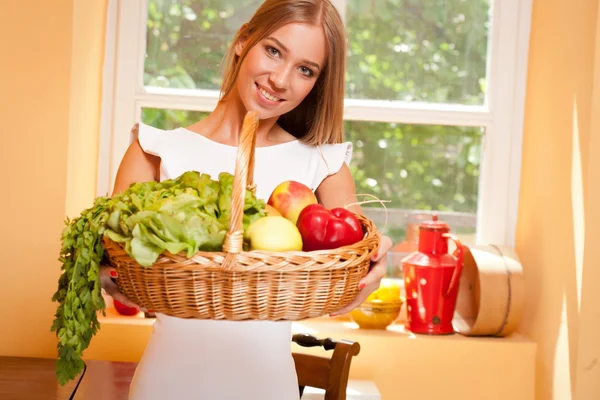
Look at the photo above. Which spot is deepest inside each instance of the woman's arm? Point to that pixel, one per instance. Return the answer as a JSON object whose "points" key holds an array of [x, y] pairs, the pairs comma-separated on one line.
{"points": [[136, 166], [338, 190]]}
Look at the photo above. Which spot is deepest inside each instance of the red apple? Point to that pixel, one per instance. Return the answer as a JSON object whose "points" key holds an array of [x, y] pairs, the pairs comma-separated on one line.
{"points": [[290, 198]]}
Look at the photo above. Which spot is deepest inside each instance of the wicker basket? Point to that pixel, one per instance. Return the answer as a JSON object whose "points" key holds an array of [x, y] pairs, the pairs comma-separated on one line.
{"points": [[246, 285]]}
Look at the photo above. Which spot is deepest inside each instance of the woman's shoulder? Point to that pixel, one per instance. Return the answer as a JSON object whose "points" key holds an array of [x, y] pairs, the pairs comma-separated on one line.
{"points": [[342, 151], [151, 139], [145, 128], [332, 156], [142, 131], [151, 136]]}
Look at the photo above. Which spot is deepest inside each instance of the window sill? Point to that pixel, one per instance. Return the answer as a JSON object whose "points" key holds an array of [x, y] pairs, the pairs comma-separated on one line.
{"points": [[338, 328]]}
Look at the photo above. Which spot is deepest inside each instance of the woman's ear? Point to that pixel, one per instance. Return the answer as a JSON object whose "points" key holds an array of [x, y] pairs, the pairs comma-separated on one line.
{"points": [[243, 36]]}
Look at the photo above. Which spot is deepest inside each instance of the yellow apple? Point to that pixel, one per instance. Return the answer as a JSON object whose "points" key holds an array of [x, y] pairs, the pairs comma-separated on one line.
{"points": [[274, 233], [290, 198]]}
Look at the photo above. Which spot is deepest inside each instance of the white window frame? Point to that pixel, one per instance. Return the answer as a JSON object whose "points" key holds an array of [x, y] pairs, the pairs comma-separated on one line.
{"points": [[124, 96]]}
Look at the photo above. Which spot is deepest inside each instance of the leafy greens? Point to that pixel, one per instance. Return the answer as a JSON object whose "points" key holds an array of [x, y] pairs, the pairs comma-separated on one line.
{"points": [[187, 214]]}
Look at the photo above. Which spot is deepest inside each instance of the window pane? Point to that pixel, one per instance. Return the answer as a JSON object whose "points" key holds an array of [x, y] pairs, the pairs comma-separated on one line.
{"points": [[423, 50], [186, 40], [418, 169], [170, 119]]}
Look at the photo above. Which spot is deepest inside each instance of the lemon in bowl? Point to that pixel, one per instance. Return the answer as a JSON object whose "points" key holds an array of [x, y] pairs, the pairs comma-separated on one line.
{"points": [[381, 308], [388, 291], [375, 314]]}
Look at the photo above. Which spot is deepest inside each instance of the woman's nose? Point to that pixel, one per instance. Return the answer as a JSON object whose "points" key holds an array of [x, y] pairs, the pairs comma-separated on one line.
{"points": [[280, 77]]}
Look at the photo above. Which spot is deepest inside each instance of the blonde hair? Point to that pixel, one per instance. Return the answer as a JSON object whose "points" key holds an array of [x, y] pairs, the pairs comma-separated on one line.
{"points": [[319, 118]]}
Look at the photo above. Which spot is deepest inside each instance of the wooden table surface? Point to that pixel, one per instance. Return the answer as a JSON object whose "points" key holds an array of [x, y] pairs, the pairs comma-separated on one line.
{"points": [[105, 380], [24, 378]]}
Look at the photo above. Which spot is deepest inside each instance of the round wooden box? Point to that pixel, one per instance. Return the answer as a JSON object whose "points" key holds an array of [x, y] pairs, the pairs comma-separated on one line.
{"points": [[491, 293]]}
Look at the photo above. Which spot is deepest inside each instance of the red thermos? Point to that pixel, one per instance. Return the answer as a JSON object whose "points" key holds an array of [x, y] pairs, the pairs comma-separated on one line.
{"points": [[431, 277]]}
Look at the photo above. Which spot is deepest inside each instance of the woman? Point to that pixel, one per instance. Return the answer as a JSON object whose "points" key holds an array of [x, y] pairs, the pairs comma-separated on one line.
{"points": [[287, 64]]}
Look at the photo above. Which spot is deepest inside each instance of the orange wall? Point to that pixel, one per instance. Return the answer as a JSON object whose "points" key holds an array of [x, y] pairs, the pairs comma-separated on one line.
{"points": [[42, 47], [50, 100], [89, 26], [558, 218]]}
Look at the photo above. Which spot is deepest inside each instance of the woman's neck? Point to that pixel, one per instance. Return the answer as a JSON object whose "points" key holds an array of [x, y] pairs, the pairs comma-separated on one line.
{"points": [[224, 124]]}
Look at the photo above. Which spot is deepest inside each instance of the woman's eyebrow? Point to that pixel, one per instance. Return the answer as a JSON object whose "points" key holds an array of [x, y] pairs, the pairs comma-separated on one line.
{"points": [[314, 64]]}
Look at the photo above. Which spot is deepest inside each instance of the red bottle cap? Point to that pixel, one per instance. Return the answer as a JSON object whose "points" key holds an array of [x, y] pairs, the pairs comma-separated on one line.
{"points": [[435, 225]]}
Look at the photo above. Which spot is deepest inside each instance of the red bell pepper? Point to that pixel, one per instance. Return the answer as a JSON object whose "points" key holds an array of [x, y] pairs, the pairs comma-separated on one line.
{"points": [[125, 310], [324, 229]]}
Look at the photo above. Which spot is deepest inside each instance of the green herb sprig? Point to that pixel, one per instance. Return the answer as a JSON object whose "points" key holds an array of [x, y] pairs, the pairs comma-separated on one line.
{"points": [[187, 214], [79, 292]]}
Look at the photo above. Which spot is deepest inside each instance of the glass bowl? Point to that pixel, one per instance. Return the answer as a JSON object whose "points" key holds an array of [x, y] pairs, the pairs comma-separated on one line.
{"points": [[376, 314]]}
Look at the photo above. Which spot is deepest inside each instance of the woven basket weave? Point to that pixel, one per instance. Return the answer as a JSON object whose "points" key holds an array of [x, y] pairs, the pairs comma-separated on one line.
{"points": [[246, 285]]}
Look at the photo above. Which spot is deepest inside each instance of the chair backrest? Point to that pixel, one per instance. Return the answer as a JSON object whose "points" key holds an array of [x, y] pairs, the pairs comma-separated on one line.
{"points": [[328, 373]]}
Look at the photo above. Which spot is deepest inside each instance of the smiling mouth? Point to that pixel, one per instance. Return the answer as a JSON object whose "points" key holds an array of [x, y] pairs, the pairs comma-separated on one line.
{"points": [[268, 95]]}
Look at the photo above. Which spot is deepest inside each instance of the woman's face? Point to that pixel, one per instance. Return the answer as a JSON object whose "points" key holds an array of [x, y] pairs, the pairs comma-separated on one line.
{"points": [[281, 70]]}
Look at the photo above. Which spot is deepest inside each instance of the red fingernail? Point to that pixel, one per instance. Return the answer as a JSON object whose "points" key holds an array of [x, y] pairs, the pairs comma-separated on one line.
{"points": [[361, 286], [113, 274], [333, 315]]}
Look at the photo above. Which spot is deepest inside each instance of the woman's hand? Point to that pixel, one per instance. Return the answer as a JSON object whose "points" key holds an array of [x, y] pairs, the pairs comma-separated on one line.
{"points": [[106, 275], [371, 281]]}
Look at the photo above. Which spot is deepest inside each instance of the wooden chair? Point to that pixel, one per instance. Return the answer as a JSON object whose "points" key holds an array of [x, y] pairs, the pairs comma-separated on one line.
{"points": [[328, 373]]}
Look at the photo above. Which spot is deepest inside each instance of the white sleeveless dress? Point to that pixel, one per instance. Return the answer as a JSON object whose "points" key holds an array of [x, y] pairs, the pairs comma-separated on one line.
{"points": [[226, 360]]}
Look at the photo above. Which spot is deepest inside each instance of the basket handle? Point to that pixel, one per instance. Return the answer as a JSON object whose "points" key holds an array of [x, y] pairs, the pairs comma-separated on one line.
{"points": [[242, 179]]}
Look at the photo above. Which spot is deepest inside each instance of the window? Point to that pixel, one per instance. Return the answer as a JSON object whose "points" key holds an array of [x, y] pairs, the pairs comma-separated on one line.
{"points": [[434, 98]]}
